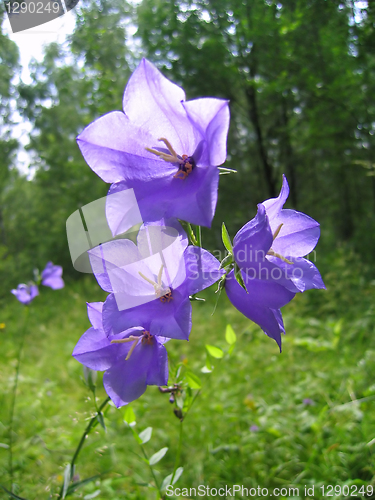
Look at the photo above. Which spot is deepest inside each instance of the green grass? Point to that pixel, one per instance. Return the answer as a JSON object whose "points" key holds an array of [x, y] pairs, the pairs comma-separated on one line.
{"points": [[328, 356]]}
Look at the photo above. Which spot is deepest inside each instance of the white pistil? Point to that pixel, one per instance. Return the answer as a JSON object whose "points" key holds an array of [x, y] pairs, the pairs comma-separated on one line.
{"points": [[275, 234], [131, 349], [274, 254], [123, 341], [171, 158], [159, 291], [131, 338]]}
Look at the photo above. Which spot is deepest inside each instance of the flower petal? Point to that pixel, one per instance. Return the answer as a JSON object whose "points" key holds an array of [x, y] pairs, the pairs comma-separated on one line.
{"points": [[270, 270], [274, 205], [302, 273], [110, 256], [202, 269], [168, 319], [94, 312], [261, 303], [24, 293], [298, 235], [211, 117], [253, 240], [95, 350], [192, 199], [127, 380], [153, 103], [115, 149], [157, 373], [51, 276]]}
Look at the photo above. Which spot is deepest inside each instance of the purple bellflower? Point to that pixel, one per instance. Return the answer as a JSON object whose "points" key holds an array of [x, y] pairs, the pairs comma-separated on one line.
{"points": [[151, 282], [164, 148], [132, 359], [269, 251], [51, 276], [25, 293]]}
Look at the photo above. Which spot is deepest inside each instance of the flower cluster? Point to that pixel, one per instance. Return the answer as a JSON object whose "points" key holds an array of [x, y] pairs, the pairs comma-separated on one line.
{"points": [[168, 150], [269, 252], [51, 277]]}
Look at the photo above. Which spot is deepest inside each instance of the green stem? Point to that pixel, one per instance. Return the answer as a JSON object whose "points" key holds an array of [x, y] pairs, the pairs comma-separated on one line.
{"points": [[14, 393], [199, 236], [177, 461], [152, 470], [87, 431]]}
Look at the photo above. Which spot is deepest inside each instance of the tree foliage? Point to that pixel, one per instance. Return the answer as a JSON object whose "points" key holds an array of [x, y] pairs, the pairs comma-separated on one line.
{"points": [[300, 79]]}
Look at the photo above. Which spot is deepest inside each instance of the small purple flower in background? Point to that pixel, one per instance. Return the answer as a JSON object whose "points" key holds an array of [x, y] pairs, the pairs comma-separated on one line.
{"points": [[131, 359], [308, 402], [51, 276], [165, 148], [151, 282], [268, 251], [254, 428], [25, 293]]}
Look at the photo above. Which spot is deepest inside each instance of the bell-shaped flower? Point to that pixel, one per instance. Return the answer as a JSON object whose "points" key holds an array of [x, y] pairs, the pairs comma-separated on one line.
{"points": [[164, 148], [272, 245], [131, 359], [25, 293], [269, 252], [152, 281], [51, 276]]}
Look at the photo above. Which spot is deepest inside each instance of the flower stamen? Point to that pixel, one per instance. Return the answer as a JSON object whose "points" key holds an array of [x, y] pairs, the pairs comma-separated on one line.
{"points": [[275, 234], [275, 254], [186, 163], [131, 338], [146, 337], [160, 291]]}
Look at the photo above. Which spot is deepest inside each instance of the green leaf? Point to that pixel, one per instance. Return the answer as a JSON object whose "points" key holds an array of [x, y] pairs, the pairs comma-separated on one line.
{"points": [[204, 369], [179, 401], [67, 477], [90, 378], [12, 494], [78, 484], [226, 238], [188, 399], [167, 480], [220, 287], [230, 336], [227, 261], [145, 435], [129, 416], [193, 381], [215, 352], [156, 457], [178, 370], [90, 496], [238, 275], [100, 419]]}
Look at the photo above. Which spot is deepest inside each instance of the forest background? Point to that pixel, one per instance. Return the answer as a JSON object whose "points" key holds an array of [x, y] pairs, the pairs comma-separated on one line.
{"points": [[300, 77]]}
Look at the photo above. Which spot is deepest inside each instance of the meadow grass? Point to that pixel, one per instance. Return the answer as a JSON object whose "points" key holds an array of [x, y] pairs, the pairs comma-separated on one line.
{"points": [[301, 418]]}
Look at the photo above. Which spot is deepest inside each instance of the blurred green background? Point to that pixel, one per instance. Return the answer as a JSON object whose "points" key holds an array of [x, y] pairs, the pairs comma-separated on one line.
{"points": [[300, 76]]}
